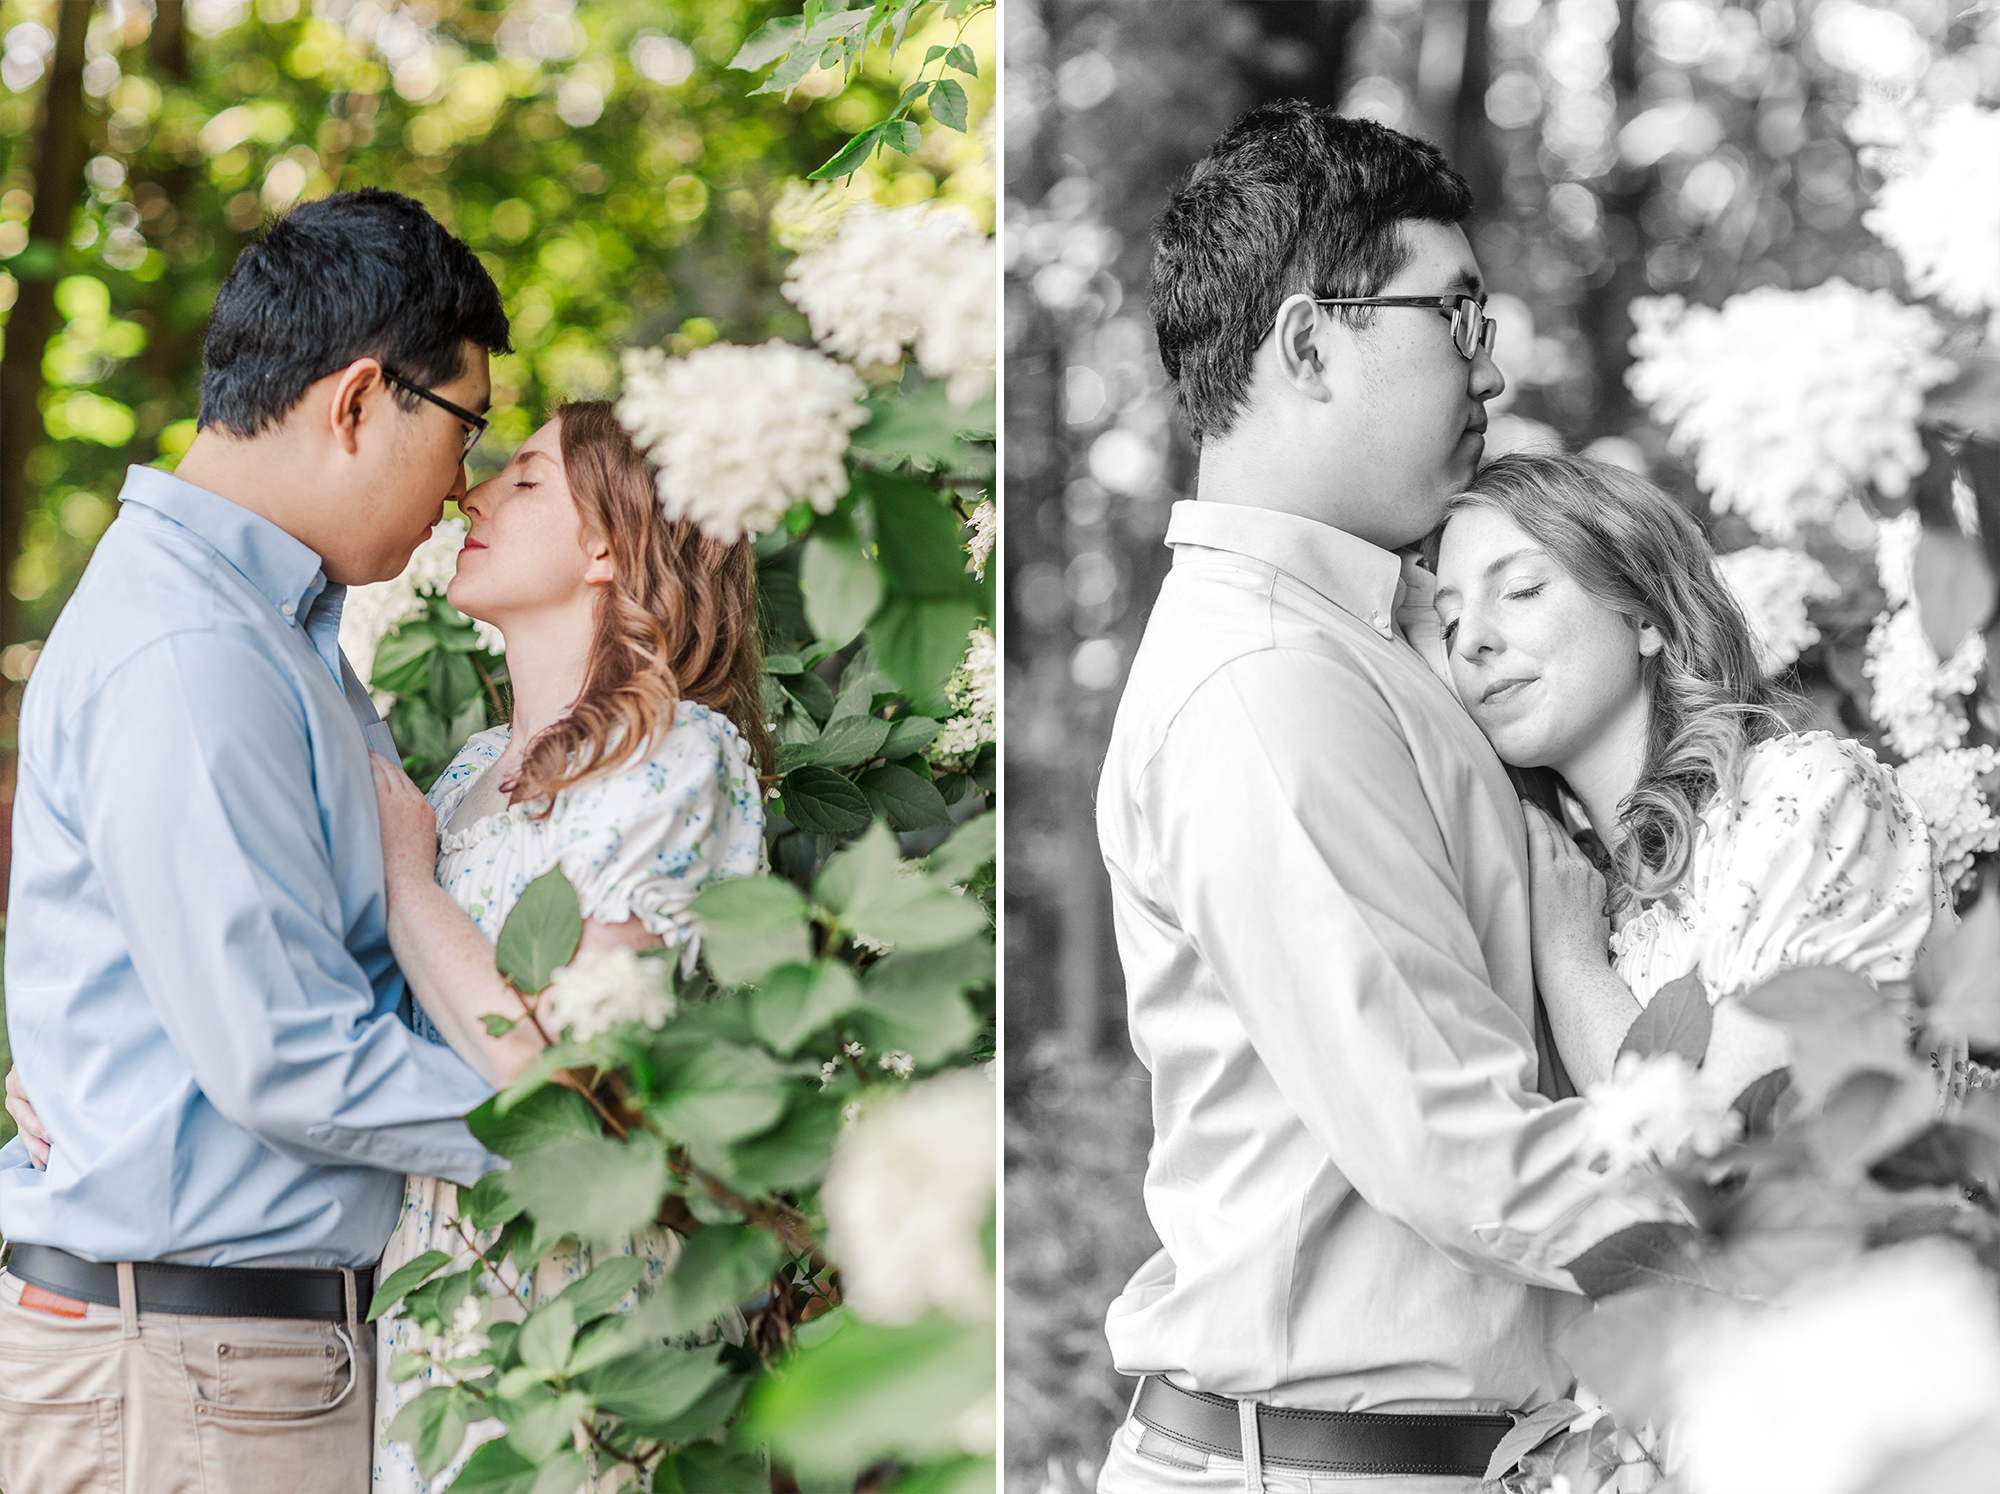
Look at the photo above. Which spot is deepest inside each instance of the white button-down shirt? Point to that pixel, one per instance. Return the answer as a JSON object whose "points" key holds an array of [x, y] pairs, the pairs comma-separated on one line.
{"points": [[1320, 885]]}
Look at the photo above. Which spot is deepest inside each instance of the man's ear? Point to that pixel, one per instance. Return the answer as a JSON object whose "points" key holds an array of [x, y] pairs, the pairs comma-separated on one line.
{"points": [[354, 388], [1296, 337]]}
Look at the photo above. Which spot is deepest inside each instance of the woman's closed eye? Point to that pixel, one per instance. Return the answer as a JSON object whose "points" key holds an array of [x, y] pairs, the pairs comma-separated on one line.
{"points": [[1450, 630], [1526, 592]]}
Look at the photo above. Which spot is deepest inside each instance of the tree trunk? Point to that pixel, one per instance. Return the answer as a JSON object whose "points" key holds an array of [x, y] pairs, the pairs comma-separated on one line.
{"points": [[57, 165], [1471, 136]]}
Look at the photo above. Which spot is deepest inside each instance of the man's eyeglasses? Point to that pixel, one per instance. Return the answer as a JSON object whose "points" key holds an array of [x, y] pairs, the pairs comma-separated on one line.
{"points": [[1471, 327], [476, 422]]}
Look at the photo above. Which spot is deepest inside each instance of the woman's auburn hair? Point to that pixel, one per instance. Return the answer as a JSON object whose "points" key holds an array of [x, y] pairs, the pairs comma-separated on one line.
{"points": [[1641, 554], [678, 621]]}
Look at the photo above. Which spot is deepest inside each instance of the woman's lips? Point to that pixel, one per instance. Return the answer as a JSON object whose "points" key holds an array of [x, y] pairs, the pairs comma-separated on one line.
{"points": [[1504, 690], [474, 545]]}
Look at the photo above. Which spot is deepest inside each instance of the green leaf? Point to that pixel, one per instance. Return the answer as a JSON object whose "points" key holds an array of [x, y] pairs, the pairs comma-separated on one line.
{"points": [[920, 426], [916, 1000], [540, 933], [537, 1120], [1529, 1433], [948, 104], [542, 1423], [1639, 1255], [1627, 1349], [717, 1094], [919, 537], [860, 683], [719, 1267], [823, 802], [603, 1289], [971, 846], [547, 1335], [909, 736], [795, 1001], [849, 741], [913, 912], [498, 1026], [792, 1154], [962, 58], [602, 1343], [750, 924], [810, 691], [1677, 1020], [497, 1468], [404, 1277], [907, 800], [656, 1384], [869, 1392], [592, 1187], [850, 157], [768, 43], [402, 660], [490, 1202], [841, 585], [710, 1468], [1759, 1102], [433, 1425], [704, 1416], [902, 135], [919, 643]]}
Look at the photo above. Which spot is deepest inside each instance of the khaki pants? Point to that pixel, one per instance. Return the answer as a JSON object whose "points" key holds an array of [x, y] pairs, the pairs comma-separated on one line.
{"points": [[114, 1403]]}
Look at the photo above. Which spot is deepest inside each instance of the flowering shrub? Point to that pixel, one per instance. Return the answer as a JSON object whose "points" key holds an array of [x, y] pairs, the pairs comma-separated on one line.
{"points": [[1774, 587], [801, 1105]]}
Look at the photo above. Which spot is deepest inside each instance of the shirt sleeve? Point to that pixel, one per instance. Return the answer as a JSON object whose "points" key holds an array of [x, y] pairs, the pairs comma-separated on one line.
{"points": [[201, 816], [1825, 861], [1297, 842], [641, 842]]}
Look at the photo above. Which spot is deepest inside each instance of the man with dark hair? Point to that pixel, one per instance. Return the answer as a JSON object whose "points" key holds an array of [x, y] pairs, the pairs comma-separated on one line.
{"points": [[200, 990], [1363, 1185]]}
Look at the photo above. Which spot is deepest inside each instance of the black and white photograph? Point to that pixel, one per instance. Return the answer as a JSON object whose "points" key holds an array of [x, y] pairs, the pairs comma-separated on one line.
{"points": [[1502, 881]]}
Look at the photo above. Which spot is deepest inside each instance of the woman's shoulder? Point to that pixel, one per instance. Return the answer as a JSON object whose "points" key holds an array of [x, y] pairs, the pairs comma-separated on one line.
{"points": [[701, 746], [1818, 766]]}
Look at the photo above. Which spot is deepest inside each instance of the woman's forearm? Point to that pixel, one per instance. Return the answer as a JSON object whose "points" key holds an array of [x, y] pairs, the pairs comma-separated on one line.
{"points": [[1590, 1011], [449, 966]]}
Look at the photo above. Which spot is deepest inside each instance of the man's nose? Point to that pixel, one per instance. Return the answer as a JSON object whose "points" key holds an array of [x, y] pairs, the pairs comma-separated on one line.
{"points": [[1487, 380], [458, 487]]}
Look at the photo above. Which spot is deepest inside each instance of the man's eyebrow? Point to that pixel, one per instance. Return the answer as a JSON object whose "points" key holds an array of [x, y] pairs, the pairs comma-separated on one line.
{"points": [[1495, 567], [1467, 281]]}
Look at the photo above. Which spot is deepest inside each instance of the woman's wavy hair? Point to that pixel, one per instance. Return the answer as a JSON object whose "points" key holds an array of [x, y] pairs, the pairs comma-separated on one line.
{"points": [[1641, 554], [679, 622]]}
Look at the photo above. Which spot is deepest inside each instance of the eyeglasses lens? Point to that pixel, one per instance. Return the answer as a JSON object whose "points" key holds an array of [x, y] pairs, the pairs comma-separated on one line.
{"points": [[1472, 329]]}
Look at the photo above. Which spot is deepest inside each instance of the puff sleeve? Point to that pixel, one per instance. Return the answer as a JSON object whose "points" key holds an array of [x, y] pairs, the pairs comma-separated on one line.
{"points": [[1824, 861], [642, 841]]}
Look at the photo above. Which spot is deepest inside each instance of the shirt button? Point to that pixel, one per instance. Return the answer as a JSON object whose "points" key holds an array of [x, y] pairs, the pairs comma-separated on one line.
{"points": [[287, 610]]}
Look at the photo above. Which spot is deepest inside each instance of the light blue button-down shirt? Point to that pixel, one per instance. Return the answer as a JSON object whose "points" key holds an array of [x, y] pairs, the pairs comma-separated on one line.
{"points": [[200, 992]]}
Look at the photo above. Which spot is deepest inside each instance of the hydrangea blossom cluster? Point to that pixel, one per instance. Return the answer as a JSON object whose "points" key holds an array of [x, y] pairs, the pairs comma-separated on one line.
{"points": [[606, 988], [985, 530], [371, 613], [1852, 1376], [1940, 209], [975, 691], [1652, 1109], [740, 434], [1773, 587], [1789, 400], [462, 1340], [919, 277], [907, 1197], [1916, 699], [1945, 786], [1896, 543]]}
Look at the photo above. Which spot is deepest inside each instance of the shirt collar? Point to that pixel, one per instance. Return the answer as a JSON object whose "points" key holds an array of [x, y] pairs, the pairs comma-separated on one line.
{"points": [[284, 569], [1357, 577]]}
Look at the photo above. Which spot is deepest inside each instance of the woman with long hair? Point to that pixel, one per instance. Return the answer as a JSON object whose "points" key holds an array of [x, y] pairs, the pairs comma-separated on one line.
{"points": [[630, 763], [1580, 618]]}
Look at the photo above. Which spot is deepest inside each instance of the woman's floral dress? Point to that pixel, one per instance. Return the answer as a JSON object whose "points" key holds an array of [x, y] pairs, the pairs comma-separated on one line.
{"points": [[1818, 858], [639, 842]]}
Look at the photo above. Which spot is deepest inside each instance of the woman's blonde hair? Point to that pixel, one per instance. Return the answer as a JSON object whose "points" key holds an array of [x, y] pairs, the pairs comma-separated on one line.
{"points": [[1641, 554], [678, 621]]}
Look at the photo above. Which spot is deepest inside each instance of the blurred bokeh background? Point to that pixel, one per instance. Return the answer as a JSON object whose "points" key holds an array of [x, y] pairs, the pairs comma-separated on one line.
{"points": [[612, 173], [1616, 149]]}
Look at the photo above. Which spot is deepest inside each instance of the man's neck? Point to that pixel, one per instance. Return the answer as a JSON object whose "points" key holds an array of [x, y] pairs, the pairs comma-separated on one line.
{"points": [[1252, 474], [261, 473]]}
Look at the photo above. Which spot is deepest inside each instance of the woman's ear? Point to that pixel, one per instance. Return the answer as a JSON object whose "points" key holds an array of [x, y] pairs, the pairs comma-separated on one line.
{"points": [[1651, 640], [598, 568]]}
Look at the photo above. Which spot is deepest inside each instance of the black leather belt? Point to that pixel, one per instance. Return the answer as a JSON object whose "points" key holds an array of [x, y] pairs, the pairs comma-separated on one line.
{"points": [[1325, 1441], [201, 1291]]}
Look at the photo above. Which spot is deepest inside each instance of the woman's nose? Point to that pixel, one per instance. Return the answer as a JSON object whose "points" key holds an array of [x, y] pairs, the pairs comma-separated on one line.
{"points": [[1476, 637]]}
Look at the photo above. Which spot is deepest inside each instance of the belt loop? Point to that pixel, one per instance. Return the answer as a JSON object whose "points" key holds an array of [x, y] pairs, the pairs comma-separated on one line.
{"points": [[353, 1312], [1253, 1448], [128, 1299], [1137, 1391]]}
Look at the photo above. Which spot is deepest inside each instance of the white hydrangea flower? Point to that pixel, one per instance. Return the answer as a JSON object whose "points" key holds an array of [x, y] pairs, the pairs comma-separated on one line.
{"points": [[462, 1339], [1651, 1110], [1855, 1373], [907, 1196], [1896, 556], [853, 1050], [985, 530], [885, 279], [1916, 700], [898, 1063], [371, 613], [1773, 587], [605, 988], [827, 1072], [974, 690], [1945, 786], [1789, 400], [1940, 209], [740, 434]]}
